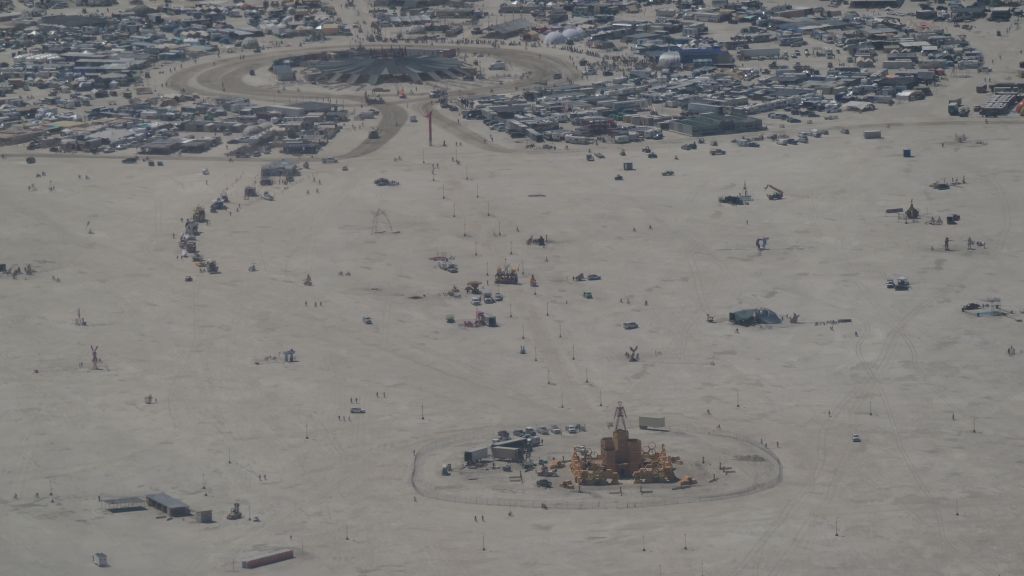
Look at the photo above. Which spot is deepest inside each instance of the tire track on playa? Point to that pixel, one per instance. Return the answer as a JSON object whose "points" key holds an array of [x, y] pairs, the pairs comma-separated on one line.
{"points": [[800, 535], [698, 285], [563, 372], [885, 356], [1005, 214], [857, 392], [761, 545], [874, 369], [915, 475], [697, 248]]}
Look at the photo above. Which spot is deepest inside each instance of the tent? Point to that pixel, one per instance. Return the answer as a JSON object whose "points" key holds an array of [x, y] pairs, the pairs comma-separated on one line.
{"points": [[754, 316]]}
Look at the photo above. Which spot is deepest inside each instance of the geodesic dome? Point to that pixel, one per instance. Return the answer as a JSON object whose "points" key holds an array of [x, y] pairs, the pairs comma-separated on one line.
{"points": [[573, 34], [554, 38], [669, 60]]}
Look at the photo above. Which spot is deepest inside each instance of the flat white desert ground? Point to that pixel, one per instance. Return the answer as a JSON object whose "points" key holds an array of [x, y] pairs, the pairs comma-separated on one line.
{"points": [[668, 253]]}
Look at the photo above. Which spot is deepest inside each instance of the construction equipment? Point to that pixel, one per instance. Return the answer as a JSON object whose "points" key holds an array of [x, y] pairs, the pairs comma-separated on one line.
{"points": [[308, 281], [546, 472], [250, 192], [685, 483], [235, 513], [212, 267], [199, 215], [734, 200], [775, 193]]}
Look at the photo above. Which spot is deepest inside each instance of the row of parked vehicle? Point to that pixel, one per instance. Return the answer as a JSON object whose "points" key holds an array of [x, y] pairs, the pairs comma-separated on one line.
{"points": [[530, 431], [487, 298]]}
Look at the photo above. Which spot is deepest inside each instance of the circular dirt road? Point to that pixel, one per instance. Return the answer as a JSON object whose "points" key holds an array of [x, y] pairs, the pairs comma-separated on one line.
{"points": [[226, 77], [751, 468]]}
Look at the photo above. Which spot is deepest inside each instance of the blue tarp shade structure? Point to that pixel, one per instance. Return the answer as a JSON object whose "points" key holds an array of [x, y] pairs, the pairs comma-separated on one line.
{"points": [[754, 316]]}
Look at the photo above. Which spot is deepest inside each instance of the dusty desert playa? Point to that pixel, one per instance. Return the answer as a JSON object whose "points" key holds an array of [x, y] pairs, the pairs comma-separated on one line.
{"points": [[192, 397]]}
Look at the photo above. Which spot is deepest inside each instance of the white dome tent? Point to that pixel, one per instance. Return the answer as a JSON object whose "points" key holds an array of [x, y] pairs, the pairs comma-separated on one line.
{"points": [[669, 60], [573, 34], [553, 38]]}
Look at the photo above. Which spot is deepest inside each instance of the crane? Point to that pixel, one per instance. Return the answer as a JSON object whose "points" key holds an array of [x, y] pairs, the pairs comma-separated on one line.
{"points": [[775, 193]]}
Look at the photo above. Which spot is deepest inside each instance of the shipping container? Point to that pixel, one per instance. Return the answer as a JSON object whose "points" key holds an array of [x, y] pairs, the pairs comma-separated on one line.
{"points": [[263, 559]]}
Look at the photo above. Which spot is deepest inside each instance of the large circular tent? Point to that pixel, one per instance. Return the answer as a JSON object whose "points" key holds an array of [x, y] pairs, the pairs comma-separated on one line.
{"points": [[384, 65]]}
